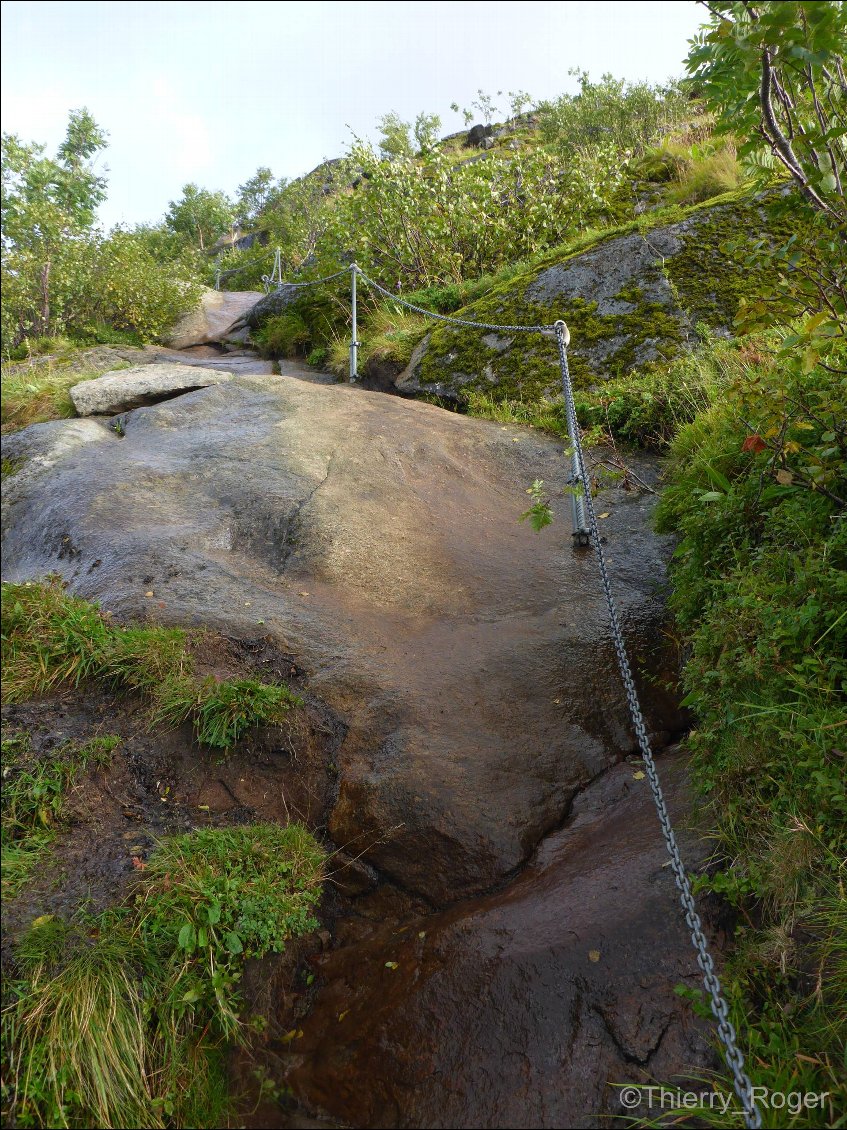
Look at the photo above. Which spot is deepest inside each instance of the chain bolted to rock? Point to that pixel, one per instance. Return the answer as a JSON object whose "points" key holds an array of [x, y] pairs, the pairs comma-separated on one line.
{"points": [[726, 1032], [586, 532]]}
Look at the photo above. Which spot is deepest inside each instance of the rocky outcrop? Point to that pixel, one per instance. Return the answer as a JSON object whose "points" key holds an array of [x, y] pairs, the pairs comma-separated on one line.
{"points": [[269, 305], [217, 312], [378, 541], [477, 136], [126, 389], [630, 299]]}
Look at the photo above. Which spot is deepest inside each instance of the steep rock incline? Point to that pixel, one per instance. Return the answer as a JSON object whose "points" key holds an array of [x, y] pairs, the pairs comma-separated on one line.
{"points": [[378, 541], [210, 323]]}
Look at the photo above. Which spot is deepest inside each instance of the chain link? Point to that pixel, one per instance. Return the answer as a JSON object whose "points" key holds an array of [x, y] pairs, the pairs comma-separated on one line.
{"points": [[732, 1053], [311, 282], [454, 321], [726, 1032]]}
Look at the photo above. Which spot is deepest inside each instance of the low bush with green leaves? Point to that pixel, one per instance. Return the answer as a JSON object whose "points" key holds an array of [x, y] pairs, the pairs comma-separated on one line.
{"points": [[124, 1019], [757, 494], [51, 638]]}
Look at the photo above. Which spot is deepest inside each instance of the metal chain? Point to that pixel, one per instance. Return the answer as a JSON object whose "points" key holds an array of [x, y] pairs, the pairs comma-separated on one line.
{"points": [[446, 318], [726, 1032], [732, 1053], [314, 282]]}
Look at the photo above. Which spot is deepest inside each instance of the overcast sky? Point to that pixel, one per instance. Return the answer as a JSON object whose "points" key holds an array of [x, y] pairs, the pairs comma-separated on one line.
{"points": [[209, 91]]}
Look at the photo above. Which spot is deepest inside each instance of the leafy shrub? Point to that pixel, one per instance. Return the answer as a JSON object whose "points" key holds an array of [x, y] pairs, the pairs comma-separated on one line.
{"points": [[757, 496], [630, 116]]}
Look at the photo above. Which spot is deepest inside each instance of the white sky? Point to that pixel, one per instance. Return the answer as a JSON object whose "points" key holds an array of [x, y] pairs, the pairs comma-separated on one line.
{"points": [[208, 91]]}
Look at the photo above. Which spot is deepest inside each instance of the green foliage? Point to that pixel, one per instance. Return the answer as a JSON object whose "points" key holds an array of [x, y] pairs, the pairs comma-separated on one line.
{"points": [[62, 276], [34, 791], [648, 408], [773, 72], [223, 711], [539, 514], [200, 217], [50, 638], [756, 496], [48, 208], [284, 335], [124, 1020], [390, 333], [75, 1033], [215, 897], [257, 194], [395, 140], [426, 129], [32, 396], [712, 172], [627, 116], [433, 222]]}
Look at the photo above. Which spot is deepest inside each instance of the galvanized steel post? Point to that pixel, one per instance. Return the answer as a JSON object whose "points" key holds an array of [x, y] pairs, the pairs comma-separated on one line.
{"points": [[354, 344], [577, 481]]}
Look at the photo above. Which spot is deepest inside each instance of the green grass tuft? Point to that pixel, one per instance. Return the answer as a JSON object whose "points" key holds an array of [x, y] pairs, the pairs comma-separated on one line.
{"points": [[51, 639], [124, 1020]]}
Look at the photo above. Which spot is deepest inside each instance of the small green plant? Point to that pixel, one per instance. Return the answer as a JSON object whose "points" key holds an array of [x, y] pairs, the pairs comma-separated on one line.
{"points": [[539, 514], [34, 793], [124, 1019], [318, 357], [215, 897], [50, 638]]}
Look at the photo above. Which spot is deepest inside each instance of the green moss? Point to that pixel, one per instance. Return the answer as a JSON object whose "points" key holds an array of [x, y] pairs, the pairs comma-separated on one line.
{"points": [[708, 276], [529, 369], [711, 273]]}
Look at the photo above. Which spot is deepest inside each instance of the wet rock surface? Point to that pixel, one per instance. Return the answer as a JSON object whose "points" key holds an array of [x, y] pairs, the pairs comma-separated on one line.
{"points": [[378, 541], [503, 934], [526, 1007]]}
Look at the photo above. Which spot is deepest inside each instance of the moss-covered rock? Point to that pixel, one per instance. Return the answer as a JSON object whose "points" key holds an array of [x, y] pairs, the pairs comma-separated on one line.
{"points": [[630, 299]]}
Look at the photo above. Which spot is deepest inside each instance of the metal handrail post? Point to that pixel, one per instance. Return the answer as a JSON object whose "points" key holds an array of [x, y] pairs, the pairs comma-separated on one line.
{"points": [[354, 344]]}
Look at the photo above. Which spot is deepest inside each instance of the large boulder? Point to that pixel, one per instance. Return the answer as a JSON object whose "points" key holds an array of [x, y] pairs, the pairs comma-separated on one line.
{"points": [[210, 322], [125, 389], [629, 300], [378, 541]]}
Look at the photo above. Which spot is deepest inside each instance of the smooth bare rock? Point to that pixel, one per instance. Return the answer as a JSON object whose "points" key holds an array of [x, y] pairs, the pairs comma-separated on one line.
{"points": [[526, 1007], [125, 389], [211, 321], [378, 541]]}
